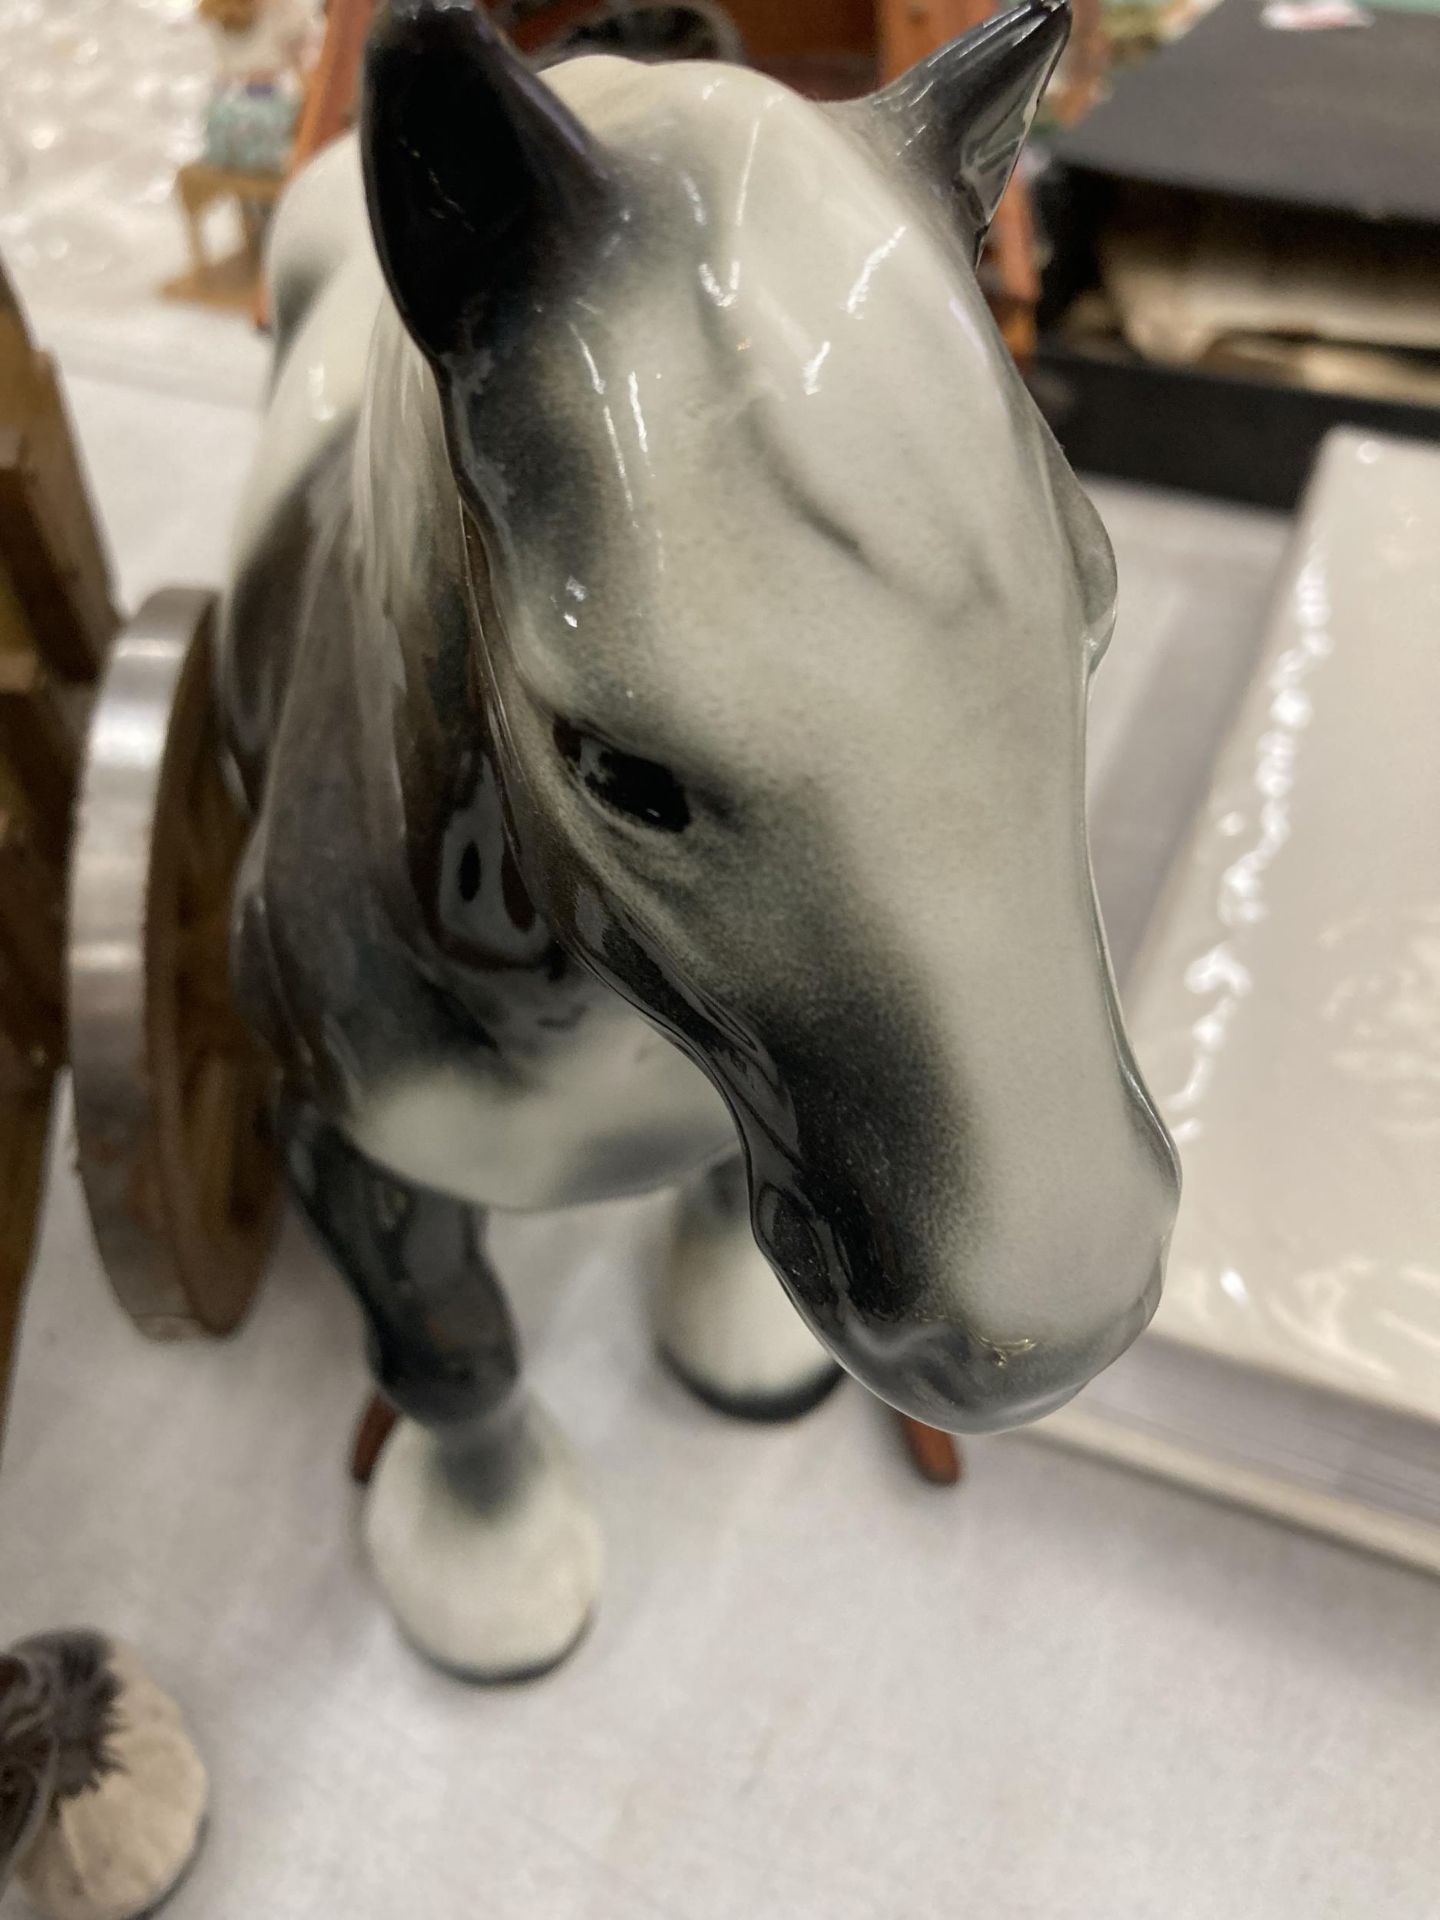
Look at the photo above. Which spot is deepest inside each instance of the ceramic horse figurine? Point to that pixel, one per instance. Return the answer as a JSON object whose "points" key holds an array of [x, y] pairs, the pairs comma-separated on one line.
{"points": [[657, 663]]}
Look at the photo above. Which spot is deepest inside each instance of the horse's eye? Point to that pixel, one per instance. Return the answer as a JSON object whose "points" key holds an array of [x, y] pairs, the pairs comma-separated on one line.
{"points": [[642, 790]]}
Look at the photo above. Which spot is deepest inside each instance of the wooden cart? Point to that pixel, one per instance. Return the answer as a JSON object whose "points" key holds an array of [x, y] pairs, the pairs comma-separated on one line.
{"points": [[171, 1094]]}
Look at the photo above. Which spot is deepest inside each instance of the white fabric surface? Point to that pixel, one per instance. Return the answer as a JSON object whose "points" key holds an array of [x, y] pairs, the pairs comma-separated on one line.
{"points": [[1286, 1009], [817, 1689]]}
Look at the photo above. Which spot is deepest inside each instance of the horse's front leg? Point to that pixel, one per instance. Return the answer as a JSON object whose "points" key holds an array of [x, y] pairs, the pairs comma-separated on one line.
{"points": [[722, 1320], [479, 1531]]}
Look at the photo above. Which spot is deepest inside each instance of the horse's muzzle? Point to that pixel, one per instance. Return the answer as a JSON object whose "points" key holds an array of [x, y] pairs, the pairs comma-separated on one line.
{"points": [[967, 1383], [914, 1336]]}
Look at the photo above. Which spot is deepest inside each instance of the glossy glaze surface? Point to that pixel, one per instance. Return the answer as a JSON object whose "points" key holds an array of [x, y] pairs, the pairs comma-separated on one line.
{"points": [[689, 617], [1288, 1004]]}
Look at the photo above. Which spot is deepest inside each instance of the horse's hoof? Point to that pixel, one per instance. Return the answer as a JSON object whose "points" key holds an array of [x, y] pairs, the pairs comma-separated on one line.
{"points": [[773, 1406], [724, 1324], [490, 1560]]}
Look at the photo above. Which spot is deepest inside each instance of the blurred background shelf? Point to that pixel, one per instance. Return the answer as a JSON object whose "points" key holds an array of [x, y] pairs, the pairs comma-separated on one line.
{"points": [[1263, 180]]}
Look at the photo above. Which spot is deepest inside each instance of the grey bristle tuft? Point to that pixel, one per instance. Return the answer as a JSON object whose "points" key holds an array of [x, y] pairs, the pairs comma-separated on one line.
{"points": [[73, 1692]]}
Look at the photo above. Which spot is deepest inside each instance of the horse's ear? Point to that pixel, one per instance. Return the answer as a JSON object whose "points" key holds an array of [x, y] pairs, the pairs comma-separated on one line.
{"points": [[473, 167], [963, 113]]}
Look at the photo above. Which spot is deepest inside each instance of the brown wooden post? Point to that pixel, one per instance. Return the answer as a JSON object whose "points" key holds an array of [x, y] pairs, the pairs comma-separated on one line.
{"points": [[56, 620]]}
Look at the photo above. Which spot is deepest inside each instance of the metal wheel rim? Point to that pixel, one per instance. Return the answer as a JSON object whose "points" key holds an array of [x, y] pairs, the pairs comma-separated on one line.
{"points": [[183, 1232]]}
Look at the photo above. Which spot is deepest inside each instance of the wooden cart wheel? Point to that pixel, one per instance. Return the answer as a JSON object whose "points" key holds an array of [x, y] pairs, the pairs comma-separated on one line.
{"points": [[172, 1094]]}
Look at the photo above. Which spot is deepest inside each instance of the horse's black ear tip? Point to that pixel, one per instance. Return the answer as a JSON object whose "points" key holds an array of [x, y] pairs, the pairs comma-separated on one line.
{"points": [[1054, 19], [417, 27], [415, 46], [1042, 24]]}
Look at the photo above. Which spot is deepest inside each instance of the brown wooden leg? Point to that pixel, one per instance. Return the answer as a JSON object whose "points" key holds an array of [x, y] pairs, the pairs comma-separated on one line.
{"points": [[373, 1430], [936, 1454], [193, 202]]}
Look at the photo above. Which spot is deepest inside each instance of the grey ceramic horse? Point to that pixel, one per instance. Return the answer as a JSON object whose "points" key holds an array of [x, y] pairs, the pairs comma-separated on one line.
{"points": [[657, 664]]}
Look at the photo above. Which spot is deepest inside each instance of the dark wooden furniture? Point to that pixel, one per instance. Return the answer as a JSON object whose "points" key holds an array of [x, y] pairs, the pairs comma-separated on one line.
{"points": [[1337, 127], [56, 618]]}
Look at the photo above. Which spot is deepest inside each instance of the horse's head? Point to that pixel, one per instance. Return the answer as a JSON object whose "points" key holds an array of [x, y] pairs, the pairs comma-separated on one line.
{"points": [[785, 604]]}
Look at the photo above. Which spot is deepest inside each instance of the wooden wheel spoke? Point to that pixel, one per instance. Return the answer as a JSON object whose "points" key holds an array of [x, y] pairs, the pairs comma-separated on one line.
{"points": [[207, 861], [202, 954], [254, 1154], [211, 1117], [192, 878], [213, 810]]}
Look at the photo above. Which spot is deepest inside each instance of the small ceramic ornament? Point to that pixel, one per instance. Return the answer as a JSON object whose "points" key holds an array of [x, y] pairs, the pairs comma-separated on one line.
{"points": [[258, 47], [657, 663], [102, 1794]]}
